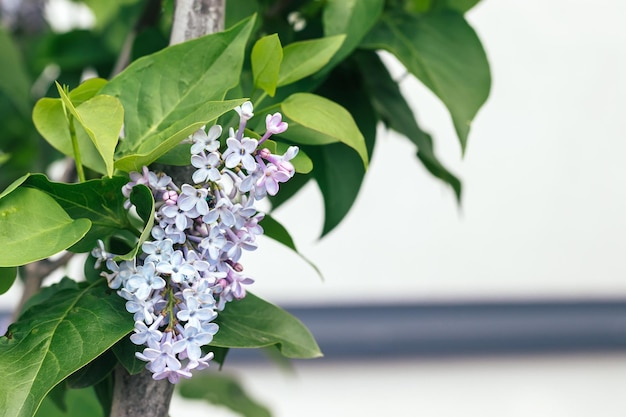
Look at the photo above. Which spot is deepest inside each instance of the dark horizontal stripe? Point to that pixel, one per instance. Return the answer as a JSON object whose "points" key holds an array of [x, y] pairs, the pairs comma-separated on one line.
{"points": [[461, 329], [444, 330]]}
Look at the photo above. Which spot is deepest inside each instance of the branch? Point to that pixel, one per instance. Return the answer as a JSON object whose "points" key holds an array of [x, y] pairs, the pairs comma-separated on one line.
{"points": [[195, 18], [33, 275]]}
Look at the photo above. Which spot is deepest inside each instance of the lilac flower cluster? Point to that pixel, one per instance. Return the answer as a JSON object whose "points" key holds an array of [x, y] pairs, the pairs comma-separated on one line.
{"points": [[183, 277]]}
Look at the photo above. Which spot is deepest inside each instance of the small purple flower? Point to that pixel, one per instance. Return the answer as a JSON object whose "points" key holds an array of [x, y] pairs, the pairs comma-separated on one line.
{"points": [[177, 268], [221, 211], [213, 243], [207, 167], [245, 111], [274, 123], [146, 335], [195, 313], [208, 142], [240, 152], [170, 197], [157, 251], [159, 356], [143, 283], [270, 179], [192, 339], [192, 197]]}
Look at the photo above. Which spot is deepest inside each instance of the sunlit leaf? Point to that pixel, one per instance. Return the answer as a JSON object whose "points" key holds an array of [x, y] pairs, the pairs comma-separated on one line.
{"points": [[319, 121], [184, 122], [100, 201], [54, 339], [304, 58], [175, 83], [354, 18], [101, 117], [33, 227], [266, 57]]}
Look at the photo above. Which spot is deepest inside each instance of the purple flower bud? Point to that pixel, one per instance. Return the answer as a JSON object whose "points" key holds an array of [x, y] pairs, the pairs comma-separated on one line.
{"points": [[274, 123]]}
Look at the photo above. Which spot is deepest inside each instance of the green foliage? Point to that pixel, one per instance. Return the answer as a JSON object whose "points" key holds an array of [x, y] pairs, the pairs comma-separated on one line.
{"points": [[352, 18], [98, 200], [442, 50], [7, 278], [304, 58], [266, 59], [223, 390], [53, 339], [77, 402], [326, 78], [35, 227], [253, 323], [319, 121], [14, 79], [172, 102]]}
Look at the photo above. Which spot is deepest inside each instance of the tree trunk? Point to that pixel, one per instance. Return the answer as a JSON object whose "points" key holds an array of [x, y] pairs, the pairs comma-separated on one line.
{"points": [[195, 18], [140, 395]]}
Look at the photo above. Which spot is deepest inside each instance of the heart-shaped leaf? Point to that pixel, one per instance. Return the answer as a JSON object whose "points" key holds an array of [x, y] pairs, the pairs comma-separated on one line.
{"points": [[33, 227]]}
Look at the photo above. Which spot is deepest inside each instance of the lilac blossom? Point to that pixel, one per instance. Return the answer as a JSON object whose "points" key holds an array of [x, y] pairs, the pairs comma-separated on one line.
{"points": [[190, 267]]}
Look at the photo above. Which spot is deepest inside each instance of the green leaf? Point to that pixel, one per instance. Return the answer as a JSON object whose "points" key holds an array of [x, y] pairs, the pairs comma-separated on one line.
{"points": [[34, 227], [174, 83], [339, 174], [441, 50], [102, 118], [319, 121], [276, 231], [86, 90], [54, 339], [14, 81], [354, 18], [100, 201], [92, 373], [124, 351], [458, 5], [253, 323], [266, 57], [184, 122], [99, 118], [395, 112], [304, 58], [79, 403], [222, 390], [7, 278], [51, 123], [143, 200]]}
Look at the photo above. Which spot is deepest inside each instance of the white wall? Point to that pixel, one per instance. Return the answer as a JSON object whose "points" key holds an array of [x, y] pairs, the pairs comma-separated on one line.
{"points": [[544, 196]]}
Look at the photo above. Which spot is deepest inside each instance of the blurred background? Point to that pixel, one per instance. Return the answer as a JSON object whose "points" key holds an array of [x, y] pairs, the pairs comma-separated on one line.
{"points": [[511, 304]]}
